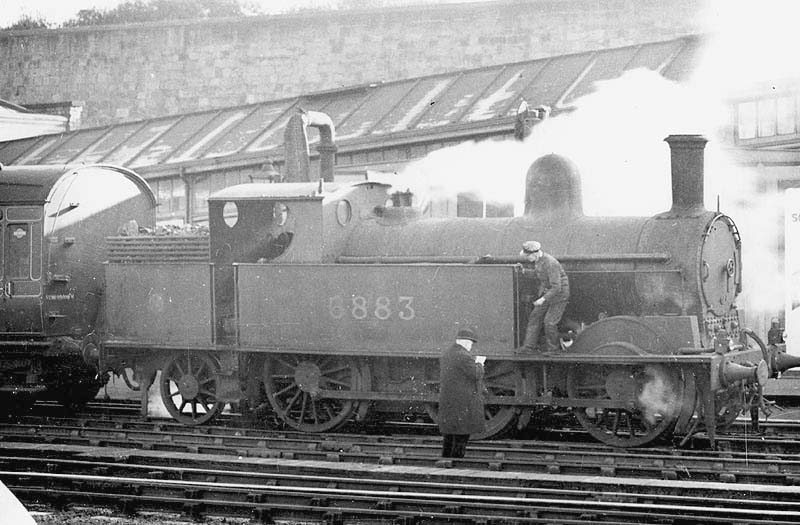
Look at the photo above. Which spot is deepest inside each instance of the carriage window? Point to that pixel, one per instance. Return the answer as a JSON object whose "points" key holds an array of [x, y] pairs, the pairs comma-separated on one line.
{"points": [[24, 213], [18, 251]]}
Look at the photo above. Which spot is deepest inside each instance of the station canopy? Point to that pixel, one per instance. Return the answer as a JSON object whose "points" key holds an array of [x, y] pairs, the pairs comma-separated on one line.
{"points": [[462, 102]]}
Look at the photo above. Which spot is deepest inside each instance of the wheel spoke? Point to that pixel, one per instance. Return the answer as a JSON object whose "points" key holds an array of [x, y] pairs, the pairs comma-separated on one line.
{"points": [[303, 408], [337, 382], [285, 389], [314, 412], [293, 400], [332, 371]]}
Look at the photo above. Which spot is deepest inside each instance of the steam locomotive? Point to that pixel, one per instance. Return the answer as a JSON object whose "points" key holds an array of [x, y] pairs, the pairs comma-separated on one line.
{"points": [[331, 302]]}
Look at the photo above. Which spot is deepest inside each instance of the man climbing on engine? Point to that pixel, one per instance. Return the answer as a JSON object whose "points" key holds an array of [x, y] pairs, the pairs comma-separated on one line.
{"points": [[551, 298]]}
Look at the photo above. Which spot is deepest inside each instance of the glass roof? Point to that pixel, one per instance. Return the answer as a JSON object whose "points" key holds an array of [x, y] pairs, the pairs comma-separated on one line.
{"points": [[432, 104]]}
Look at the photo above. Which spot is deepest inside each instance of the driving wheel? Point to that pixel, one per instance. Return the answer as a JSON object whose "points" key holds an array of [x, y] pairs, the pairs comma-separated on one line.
{"points": [[647, 398], [189, 387], [500, 379], [296, 385]]}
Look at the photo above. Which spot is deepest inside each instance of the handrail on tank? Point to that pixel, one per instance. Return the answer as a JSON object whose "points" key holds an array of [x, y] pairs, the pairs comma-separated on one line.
{"points": [[503, 259]]}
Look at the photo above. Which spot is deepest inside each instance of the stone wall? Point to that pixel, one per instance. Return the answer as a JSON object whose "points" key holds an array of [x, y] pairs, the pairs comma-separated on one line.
{"points": [[144, 70]]}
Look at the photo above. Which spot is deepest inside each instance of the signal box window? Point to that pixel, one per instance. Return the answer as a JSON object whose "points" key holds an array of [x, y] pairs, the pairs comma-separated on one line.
{"points": [[786, 116], [747, 120]]}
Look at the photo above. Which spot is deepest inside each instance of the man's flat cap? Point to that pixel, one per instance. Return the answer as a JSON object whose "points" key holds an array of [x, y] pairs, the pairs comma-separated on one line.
{"points": [[466, 333], [531, 246]]}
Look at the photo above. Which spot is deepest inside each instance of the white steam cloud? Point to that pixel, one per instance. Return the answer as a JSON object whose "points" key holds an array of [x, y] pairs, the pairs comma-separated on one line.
{"points": [[658, 398], [615, 137]]}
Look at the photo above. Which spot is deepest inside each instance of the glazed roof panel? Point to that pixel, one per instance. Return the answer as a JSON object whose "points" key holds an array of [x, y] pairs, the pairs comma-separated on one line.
{"points": [[458, 98], [73, 146], [602, 66], [247, 130], [114, 137], [12, 150], [174, 138], [504, 90], [125, 153]]}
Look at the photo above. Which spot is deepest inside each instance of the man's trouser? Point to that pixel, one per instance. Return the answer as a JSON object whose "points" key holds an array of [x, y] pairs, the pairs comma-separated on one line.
{"points": [[547, 315], [454, 445]]}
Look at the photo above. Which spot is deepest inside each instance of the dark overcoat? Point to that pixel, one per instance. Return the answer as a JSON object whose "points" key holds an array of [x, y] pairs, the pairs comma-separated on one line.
{"points": [[460, 392]]}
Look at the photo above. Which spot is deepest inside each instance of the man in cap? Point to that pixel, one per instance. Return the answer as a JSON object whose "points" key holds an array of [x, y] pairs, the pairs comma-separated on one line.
{"points": [[775, 333], [552, 298], [460, 395]]}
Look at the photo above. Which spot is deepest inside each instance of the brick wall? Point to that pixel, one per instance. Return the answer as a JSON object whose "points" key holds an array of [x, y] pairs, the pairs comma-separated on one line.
{"points": [[144, 70]]}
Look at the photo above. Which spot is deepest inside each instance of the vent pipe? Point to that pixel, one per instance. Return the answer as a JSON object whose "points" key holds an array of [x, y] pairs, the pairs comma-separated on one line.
{"points": [[296, 146]]}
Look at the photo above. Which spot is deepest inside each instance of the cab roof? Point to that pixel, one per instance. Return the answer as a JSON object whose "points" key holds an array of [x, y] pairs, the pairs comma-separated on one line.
{"points": [[283, 191]]}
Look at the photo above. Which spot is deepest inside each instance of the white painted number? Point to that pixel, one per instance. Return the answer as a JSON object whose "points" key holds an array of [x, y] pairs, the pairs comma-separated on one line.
{"points": [[407, 312], [359, 310], [382, 310], [336, 307]]}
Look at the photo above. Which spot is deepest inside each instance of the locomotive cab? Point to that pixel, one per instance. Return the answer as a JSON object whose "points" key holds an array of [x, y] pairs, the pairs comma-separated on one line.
{"points": [[281, 223]]}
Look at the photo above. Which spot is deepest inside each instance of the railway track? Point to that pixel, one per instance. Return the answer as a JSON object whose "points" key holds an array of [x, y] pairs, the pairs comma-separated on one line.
{"points": [[121, 462], [755, 459], [266, 489]]}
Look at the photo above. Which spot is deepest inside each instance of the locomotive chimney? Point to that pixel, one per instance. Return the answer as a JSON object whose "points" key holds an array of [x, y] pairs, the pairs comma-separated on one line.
{"points": [[687, 172]]}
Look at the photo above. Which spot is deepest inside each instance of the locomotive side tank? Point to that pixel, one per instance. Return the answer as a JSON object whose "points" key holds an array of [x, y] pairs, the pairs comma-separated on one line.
{"points": [[53, 222], [686, 261]]}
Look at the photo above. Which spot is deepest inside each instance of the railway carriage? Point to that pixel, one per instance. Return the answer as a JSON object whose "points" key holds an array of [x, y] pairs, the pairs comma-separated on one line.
{"points": [[53, 225]]}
